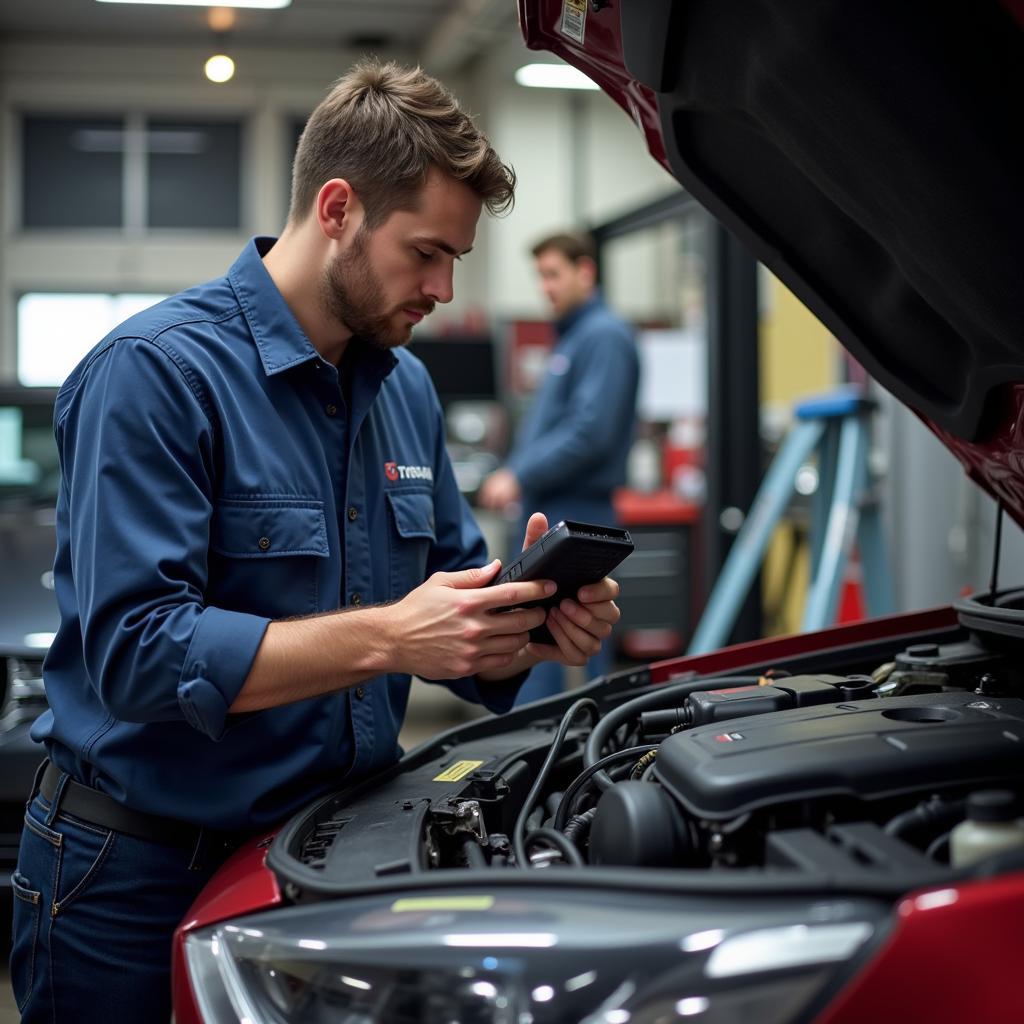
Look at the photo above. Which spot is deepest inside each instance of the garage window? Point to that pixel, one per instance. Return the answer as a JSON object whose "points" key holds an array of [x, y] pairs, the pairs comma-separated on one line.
{"points": [[130, 173], [72, 172], [56, 329]]}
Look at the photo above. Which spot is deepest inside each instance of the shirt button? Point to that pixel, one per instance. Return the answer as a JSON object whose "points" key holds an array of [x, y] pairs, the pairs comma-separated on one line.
{"points": [[353, 513], [356, 599], [360, 692], [331, 410], [264, 543]]}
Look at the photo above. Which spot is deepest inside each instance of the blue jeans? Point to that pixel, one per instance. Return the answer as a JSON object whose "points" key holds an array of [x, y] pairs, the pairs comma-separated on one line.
{"points": [[94, 917]]}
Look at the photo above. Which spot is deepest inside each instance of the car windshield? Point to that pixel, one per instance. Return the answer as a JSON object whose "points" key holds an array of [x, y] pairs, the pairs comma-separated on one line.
{"points": [[29, 470]]}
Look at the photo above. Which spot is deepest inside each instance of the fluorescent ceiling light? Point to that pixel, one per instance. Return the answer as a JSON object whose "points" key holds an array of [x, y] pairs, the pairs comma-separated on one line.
{"points": [[265, 5], [553, 76]]}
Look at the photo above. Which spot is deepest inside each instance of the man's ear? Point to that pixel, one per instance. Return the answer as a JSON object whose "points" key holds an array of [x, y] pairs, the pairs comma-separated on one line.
{"points": [[587, 270], [337, 209]]}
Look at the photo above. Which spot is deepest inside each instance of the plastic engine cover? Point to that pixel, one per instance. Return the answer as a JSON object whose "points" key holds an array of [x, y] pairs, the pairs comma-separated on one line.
{"points": [[864, 749]]}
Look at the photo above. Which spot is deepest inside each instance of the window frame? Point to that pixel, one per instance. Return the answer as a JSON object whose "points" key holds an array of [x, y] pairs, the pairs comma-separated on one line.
{"points": [[135, 178]]}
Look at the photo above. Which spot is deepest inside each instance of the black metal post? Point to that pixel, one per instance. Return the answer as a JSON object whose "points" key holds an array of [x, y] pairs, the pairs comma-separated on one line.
{"points": [[733, 434]]}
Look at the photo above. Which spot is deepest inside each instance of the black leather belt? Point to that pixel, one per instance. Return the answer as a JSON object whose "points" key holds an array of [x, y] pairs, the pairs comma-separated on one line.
{"points": [[96, 808]]}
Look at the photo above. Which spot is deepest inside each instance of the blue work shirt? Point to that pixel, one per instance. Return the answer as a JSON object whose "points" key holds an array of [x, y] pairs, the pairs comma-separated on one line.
{"points": [[571, 450], [214, 478]]}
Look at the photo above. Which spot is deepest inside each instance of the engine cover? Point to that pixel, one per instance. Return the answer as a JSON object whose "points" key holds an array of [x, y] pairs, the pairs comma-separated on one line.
{"points": [[863, 749]]}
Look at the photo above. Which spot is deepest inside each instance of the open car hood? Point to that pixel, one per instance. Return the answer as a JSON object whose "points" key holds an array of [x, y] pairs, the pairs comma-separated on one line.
{"points": [[870, 156]]}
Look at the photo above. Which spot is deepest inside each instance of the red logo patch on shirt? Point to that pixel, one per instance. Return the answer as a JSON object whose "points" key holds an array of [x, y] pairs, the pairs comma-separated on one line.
{"points": [[393, 471]]}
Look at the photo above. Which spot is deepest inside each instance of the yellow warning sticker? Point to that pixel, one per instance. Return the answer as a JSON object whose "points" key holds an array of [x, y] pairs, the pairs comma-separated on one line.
{"points": [[574, 19], [457, 771], [420, 903]]}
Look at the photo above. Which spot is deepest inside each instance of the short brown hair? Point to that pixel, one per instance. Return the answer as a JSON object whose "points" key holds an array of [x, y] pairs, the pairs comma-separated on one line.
{"points": [[382, 128], [573, 245]]}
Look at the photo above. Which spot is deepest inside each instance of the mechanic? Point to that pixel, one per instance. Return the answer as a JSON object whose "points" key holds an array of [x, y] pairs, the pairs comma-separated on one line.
{"points": [[571, 450], [239, 463]]}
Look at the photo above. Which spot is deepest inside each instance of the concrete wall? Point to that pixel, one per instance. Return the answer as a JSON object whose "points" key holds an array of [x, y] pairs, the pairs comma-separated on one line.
{"points": [[579, 159]]}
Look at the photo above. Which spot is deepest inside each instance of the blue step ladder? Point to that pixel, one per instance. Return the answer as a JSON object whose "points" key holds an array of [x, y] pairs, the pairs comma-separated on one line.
{"points": [[837, 428]]}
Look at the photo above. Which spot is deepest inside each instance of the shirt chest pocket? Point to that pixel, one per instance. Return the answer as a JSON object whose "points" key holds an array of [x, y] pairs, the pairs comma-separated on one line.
{"points": [[267, 556], [411, 536]]}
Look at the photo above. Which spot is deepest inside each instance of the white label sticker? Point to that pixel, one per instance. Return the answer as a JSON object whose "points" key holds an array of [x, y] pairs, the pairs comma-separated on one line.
{"points": [[574, 19]]}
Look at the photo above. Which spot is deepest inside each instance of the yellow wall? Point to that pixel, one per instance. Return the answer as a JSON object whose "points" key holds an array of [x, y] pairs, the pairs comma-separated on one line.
{"points": [[798, 355], [798, 358]]}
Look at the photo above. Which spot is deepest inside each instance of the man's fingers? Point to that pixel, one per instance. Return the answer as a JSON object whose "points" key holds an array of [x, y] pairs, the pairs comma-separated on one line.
{"points": [[586, 638], [604, 590], [520, 621], [492, 662], [567, 635], [535, 528], [505, 643], [589, 615], [511, 595], [469, 579]]}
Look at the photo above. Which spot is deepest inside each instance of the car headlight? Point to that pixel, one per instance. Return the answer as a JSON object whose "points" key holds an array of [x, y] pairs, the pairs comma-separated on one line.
{"points": [[526, 956]]}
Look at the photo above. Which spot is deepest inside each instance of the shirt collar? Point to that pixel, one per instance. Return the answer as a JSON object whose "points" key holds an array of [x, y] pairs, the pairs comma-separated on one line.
{"points": [[280, 340], [574, 316]]}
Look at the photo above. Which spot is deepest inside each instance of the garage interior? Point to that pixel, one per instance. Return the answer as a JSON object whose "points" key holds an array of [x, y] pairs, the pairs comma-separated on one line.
{"points": [[127, 174]]}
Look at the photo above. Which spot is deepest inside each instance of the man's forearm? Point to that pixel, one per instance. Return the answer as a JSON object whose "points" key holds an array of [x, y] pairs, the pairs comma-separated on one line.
{"points": [[444, 629], [301, 658]]}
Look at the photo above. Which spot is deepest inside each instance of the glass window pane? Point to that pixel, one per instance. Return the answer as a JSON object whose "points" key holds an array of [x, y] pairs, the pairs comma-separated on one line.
{"points": [[72, 172], [56, 330], [28, 455], [193, 174], [657, 277]]}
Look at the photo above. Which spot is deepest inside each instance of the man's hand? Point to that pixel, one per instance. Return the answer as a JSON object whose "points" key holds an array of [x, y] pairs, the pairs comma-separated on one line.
{"points": [[579, 626], [499, 489], [451, 625]]}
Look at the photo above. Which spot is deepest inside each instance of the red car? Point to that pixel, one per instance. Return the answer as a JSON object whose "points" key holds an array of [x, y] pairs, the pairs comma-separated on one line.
{"points": [[824, 827]]}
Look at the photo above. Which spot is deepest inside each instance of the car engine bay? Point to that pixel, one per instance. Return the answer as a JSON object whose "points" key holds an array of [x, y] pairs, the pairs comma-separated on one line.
{"points": [[881, 767]]}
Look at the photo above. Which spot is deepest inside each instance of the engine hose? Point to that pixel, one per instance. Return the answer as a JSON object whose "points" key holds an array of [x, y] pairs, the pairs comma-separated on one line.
{"points": [[939, 845], [927, 815], [630, 753], [578, 826], [475, 857], [519, 830], [561, 843], [643, 764], [604, 729]]}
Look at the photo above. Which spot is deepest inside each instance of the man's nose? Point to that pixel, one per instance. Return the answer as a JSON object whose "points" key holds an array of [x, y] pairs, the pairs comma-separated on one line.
{"points": [[439, 286]]}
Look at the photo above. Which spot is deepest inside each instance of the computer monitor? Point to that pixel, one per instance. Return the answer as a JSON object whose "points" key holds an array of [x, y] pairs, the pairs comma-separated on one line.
{"points": [[461, 366]]}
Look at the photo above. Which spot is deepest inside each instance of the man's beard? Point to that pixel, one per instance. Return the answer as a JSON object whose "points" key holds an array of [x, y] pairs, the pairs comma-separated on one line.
{"points": [[352, 293]]}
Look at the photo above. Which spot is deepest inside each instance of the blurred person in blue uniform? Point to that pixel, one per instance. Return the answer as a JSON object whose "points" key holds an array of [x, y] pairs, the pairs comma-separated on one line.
{"points": [[571, 450]]}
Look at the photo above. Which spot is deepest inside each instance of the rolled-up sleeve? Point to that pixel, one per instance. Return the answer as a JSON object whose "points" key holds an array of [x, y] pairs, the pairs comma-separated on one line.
{"points": [[217, 663], [137, 446]]}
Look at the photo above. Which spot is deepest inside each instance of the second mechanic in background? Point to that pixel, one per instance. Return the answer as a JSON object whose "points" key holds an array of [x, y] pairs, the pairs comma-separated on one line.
{"points": [[571, 450]]}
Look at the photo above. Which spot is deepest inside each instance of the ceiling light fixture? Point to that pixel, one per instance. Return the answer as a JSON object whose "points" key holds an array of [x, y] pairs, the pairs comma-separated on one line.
{"points": [[220, 68], [263, 5], [221, 19], [553, 76]]}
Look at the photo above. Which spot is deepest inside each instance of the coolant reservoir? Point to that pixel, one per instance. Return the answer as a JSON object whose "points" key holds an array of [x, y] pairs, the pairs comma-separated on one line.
{"points": [[993, 824]]}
